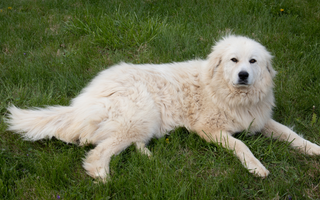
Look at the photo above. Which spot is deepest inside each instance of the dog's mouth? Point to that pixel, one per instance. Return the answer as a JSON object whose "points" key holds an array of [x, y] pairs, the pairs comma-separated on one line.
{"points": [[241, 84]]}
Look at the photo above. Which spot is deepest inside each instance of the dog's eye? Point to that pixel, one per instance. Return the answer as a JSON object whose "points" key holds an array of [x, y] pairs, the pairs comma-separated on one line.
{"points": [[234, 60], [252, 61]]}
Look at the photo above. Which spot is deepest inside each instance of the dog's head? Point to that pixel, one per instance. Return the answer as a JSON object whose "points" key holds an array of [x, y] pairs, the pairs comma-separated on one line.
{"points": [[239, 65]]}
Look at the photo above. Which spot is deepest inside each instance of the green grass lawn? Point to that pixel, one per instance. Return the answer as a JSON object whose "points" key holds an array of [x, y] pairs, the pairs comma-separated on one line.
{"points": [[49, 50]]}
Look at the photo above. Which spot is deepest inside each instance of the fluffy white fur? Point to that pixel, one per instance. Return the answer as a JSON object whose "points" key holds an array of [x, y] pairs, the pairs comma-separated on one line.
{"points": [[217, 97]]}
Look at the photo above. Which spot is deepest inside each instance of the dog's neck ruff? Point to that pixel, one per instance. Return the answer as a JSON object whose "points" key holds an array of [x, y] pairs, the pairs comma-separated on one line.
{"points": [[242, 97]]}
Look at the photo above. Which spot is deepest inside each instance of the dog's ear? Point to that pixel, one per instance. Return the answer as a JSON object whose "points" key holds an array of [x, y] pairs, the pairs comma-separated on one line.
{"points": [[214, 62], [270, 69]]}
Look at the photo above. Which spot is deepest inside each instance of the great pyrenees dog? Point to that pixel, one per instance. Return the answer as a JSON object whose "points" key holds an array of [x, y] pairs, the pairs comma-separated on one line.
{"points": [[229, 92]]}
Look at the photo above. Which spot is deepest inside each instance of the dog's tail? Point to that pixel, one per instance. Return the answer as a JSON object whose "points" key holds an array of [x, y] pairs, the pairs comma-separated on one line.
{"points": [[62, 122]]}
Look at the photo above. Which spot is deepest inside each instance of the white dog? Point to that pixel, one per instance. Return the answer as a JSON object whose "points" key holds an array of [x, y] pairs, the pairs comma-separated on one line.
{"points": [[227, 93]]}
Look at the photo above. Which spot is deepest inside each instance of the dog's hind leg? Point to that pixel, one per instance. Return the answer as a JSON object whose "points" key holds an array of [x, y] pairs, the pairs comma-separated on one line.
{"points": [[97, 161], [124, 133], [141, 146]]}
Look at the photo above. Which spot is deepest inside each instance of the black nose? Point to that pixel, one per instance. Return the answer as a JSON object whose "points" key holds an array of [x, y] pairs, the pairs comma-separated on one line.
{"points": [[243, 75]]}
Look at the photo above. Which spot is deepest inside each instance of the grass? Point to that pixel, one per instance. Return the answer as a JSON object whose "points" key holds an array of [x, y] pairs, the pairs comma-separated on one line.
{"points": [[49, 50]]}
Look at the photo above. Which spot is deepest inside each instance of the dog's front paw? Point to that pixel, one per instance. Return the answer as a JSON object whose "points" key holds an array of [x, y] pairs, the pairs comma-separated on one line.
{"points": [[260, 172], [96, 171], [255, 167], [310, 148]]}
